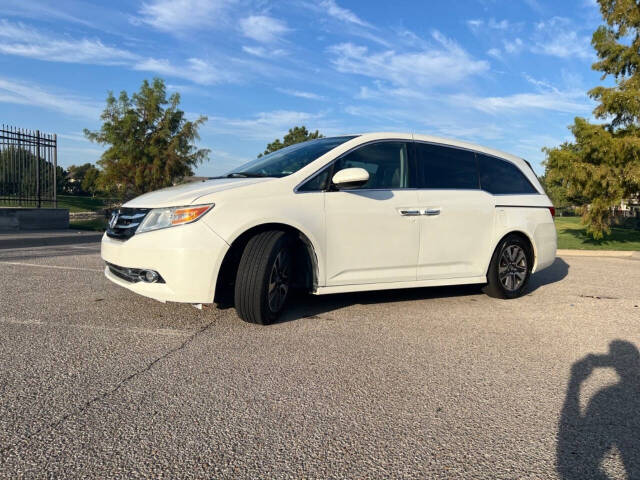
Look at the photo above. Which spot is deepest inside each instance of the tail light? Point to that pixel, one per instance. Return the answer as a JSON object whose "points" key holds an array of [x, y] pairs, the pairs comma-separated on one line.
{"points": [[553, 211]]}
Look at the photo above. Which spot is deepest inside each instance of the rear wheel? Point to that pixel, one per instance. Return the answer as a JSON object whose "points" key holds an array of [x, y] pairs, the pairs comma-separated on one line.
{"points": [[510, 268], [263, 281]]}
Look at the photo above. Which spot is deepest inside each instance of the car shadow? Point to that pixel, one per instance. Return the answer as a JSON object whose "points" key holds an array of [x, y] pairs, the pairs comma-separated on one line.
{"points": [[610, 420], [557, 271], [303, 305]]}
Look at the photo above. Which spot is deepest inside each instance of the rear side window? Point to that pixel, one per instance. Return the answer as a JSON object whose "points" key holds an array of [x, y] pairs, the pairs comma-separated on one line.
{"points": [[386, 162], [438, 166], [500, 177]]}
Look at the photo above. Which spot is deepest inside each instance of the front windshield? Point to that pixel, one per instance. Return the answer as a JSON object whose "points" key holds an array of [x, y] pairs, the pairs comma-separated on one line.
{"points": [[288, 160]]}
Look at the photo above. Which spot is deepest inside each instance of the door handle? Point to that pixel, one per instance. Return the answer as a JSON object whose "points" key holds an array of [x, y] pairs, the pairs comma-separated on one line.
{"points": [[410, 213], [432, 212]]}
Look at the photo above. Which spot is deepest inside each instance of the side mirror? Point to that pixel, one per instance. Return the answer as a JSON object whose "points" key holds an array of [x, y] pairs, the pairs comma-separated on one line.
{"points": [[348, 178]]}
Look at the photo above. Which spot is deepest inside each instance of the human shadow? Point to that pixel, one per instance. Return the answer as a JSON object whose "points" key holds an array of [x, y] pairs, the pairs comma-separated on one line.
{"points": [[611, 419]]}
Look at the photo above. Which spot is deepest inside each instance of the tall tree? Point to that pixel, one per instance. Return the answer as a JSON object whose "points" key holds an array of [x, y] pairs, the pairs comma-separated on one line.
{"points": [[151, 144], [295, 135], [82, 179], [90, 180], [602, 165], [62, 182]]}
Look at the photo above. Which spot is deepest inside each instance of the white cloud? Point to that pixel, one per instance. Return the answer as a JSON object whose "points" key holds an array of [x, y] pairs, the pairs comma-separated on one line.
{"points": [[223, 161], [559, 101], [443, 64], [495, 53], [18, 39], [558, 37], [534, 5], [514, 46], [21, 40], [263, 29], [263, 125], [342, 14], [183, 15], [492, 23], [23, 93], [195, 69], [301, 94], [74, 137], [39, 10], [264, 52]]}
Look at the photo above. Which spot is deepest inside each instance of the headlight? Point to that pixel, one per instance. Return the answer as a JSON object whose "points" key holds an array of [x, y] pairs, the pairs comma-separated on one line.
{"points": [[159, 218]]}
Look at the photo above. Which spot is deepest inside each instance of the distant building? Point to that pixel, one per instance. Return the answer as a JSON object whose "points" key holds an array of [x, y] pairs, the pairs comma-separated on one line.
{"points": [[630, 207]]}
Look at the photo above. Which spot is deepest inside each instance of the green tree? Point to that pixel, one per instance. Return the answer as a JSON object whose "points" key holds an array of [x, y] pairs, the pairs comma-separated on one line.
{"points": [[151, 144], [602, 165], [62, 182], [82, 179], [295, 135], [90, 180], [555, 191], [19, 169]]}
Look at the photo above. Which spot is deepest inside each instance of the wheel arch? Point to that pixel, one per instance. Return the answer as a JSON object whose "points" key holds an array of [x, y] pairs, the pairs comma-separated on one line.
{"points": [[526, 237], [304, 250]]}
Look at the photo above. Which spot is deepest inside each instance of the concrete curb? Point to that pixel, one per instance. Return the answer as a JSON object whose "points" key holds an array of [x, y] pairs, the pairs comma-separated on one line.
{"points": [[48, 238], [599, 253]]}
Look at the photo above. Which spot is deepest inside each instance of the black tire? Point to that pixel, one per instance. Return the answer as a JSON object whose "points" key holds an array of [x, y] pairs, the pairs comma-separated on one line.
{"points": [[266, 261], [509, 270]]}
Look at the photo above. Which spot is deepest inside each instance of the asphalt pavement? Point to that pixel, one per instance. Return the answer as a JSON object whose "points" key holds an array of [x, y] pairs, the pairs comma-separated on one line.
{"points": [[98, 382]]}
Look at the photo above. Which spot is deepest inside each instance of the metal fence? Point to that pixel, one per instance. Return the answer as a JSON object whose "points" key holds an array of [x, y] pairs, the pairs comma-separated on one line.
{"points": [[28, 161]]}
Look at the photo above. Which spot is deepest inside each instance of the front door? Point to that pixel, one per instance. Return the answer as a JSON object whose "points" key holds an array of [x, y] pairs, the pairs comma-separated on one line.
{"points": [[372, 232]]}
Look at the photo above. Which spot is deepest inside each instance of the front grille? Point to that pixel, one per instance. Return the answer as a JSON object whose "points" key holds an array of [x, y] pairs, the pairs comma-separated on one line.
{"points": [[127, 222], [133, 275]]}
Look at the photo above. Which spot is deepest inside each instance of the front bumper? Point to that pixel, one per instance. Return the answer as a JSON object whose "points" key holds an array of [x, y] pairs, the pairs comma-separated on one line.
{"points": [[187, 257]]}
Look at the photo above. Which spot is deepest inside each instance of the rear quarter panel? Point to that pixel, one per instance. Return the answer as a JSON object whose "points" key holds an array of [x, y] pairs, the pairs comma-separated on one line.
{"points": [[530, 215]]}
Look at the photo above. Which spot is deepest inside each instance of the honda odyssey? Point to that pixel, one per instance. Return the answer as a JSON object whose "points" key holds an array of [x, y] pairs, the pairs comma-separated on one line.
{"points": [[338, 214]]}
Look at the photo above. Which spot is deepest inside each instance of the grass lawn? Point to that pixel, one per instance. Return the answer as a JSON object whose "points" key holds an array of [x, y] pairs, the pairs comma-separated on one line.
{"points": [[572, 235], [80, 204], [74, 203], [95, 224]]}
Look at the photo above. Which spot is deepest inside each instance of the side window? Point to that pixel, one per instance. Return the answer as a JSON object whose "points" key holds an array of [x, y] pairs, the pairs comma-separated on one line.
{"points": [[316, 183], [439, 166], [502, 177], [386, 163]]}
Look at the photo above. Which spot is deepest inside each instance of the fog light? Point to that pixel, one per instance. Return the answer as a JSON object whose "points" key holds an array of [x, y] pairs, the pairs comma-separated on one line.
{"points": [[150, 276]]}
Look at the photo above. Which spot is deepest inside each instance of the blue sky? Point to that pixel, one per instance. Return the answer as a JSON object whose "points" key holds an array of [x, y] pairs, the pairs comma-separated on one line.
{"points": [[509, 74]]}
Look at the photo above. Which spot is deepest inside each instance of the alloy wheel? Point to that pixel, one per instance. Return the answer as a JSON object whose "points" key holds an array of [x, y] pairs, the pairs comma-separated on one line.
{"points": [[279, 281], [512, 269]]}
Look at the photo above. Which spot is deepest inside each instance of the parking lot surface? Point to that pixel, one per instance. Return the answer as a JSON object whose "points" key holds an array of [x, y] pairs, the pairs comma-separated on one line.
{"points": [[96, 381]]}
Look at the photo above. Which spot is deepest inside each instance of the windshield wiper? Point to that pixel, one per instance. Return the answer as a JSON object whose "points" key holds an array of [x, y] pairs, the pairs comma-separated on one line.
{"points": [[246, 175]]}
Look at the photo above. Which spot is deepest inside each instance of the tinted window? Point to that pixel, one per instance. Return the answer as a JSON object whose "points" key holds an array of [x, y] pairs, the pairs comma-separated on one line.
{"points": [[288, 160], [316, 183], [502, 177], [386, 163], [438, 166]]}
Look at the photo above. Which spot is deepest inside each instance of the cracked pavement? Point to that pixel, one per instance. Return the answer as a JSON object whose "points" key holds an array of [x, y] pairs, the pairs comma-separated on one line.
{"points": [[429, 383]]}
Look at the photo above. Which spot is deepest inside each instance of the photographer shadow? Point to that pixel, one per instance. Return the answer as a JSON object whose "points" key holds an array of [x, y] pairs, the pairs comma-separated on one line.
{"points": [[611, 419]]}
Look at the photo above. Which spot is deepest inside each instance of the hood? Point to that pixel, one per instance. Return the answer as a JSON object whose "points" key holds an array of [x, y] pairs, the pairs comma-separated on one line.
{"points": [[189, 193]]}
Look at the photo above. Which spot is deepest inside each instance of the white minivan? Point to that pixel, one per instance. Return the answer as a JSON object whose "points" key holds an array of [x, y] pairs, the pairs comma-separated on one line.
{"points": [[338, 214]]}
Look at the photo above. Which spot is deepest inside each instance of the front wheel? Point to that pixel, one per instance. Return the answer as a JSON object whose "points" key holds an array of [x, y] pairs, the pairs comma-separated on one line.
{"points": [[264, 276], [510, 268]]}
